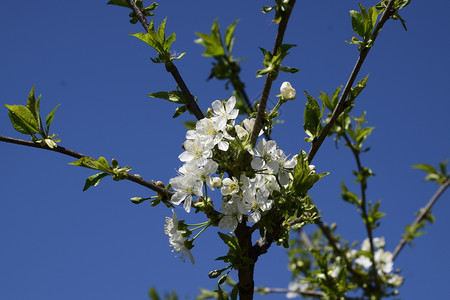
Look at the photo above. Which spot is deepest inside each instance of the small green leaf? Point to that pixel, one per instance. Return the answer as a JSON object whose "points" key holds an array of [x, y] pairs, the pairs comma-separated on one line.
{"points": [[311, 117], [88, 162], [22, 119], [359, 87], [122, 3], [34, 105], [94, 180], [172, 96], [304, 175], [357, 22], [212, 42], [179, 111], [229, 38], [348, 196], [425, 167], [169, 41], [50, 116]]}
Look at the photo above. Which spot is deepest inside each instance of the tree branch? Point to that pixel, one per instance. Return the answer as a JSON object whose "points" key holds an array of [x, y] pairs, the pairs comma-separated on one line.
{"points": [[135, 178], [421, 216], [259, 122], [191, 104], [341, 105], [317, 294], [363, 206]]}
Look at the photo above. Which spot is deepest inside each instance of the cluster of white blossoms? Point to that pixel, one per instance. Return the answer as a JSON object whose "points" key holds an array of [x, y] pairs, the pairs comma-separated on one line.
{"points": [[382, 258], [243, 196], [176, 239]]}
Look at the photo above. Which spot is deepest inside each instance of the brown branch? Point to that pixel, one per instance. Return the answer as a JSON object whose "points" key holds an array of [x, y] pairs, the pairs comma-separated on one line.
{"points": [[421, 216], [135, 178], [341, 105], [363, 206], [259, 122], [266, 290], [191, 104]]}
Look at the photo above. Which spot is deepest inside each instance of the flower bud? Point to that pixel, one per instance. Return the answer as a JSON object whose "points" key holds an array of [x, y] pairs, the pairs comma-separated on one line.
{"points": [[216, 182], [287, 91]]}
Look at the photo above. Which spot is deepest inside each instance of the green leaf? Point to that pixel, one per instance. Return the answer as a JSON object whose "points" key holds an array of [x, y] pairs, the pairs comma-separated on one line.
{"points": [[229, 38], [161, 33], [150, 38], [122, 3], [50, 116], [94, 180], [357, 22], [153, 294], [172, 96], [169, 41], [354, 92], [425, 167], [88, 162], [311, 117], [34, 106], [349, 196], [179, 111], [304, 176], [212, 42], [22, 119]]}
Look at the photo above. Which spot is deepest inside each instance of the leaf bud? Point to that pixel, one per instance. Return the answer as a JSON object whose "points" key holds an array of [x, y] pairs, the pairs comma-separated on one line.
{"points": [[137, 200], [214, 273]]}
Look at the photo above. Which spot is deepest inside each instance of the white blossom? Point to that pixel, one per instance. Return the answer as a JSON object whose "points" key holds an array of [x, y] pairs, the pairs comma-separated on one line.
{"points": [[228, 111], [265, 156], [185, 186], [287, 91], [176, 240], [232, 217], [198, 150], [230, 186]]}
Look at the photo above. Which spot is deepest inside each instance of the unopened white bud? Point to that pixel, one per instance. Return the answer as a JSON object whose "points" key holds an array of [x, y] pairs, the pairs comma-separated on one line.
{"points": [[287, 91], [216, 182]]}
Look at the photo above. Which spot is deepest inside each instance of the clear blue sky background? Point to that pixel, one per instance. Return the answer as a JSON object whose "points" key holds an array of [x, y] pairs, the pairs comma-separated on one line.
{"points": [[58, 242]]}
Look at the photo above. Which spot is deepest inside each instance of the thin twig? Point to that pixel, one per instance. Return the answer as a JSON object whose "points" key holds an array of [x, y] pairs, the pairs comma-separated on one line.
{"points": [[363, 206], [341, 105], [135, 178], [266, 290], [192, 106], [421, 216], [259, 122]]}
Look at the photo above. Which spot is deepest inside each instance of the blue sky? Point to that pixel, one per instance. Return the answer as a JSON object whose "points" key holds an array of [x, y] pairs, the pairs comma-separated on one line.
{"points": [[61, 243]]}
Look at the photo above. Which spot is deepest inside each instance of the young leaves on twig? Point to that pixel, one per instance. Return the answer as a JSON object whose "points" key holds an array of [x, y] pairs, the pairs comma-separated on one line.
{"points": [[225, 67], [440, 177], [101, 164], [145, 11], [305, 175], [272, 63], [175, 96], [27, 120], [280, 7], [158, 41], [363, 24], [399, 4]]}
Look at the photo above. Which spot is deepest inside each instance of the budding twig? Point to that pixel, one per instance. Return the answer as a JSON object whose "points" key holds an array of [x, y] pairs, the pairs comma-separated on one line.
{"points": [[135, 178], [191, 104], [421, 216], [259, 122], [341, 105]]}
